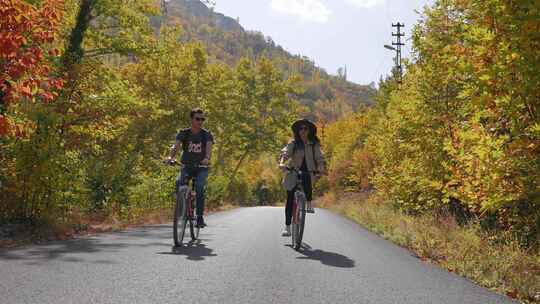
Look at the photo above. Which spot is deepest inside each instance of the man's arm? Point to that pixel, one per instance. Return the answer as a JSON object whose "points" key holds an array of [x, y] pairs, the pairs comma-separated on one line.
{"points": [[174, 149], [208, 155], [180, 137]]}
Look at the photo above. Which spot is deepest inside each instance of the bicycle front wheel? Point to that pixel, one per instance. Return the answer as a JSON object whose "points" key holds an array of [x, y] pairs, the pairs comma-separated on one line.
{"points": [[193, 228], [195, 234], [300, 219], [180, 217]]}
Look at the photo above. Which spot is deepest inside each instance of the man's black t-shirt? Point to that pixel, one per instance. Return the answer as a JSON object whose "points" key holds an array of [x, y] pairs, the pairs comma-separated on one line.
{"points": [[193, 146]]}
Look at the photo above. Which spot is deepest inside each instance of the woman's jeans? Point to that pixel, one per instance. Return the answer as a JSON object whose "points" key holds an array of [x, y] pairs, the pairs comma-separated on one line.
{"points": [[306, 183]]}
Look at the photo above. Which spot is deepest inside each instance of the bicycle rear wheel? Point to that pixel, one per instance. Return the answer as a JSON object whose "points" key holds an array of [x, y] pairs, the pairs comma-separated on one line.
{"points": [[180, 217]]}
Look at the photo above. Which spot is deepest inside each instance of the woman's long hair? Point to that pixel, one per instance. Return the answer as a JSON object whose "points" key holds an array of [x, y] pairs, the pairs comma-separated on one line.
{"points": [[299, 143]]}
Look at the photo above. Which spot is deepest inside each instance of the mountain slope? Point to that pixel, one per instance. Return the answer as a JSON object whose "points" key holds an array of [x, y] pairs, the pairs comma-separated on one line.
{"points": [[327, 96]]}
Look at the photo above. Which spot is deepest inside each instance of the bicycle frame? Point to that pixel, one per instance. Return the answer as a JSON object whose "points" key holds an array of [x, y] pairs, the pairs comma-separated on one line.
{"points": [[190, 198], [186, 194], [299, 189], [298, 211]]}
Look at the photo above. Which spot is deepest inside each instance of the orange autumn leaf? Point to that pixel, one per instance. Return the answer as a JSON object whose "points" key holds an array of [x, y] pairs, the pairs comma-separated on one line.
{"points": [[26, 34], [4, 125]]}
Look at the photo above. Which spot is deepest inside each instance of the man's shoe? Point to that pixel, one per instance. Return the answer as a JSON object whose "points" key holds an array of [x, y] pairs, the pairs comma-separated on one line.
{"points": [[309, 208], [200, 222], [286, 231]]}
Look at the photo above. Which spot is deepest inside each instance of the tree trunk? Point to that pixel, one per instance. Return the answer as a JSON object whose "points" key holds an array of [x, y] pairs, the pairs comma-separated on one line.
{"points": [[74, 50], [74, 54], [231, 178], [219, 159]]}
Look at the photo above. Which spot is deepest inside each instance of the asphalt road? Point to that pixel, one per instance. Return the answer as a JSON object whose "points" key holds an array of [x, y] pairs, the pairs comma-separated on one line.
{"points": [[241, 258]]}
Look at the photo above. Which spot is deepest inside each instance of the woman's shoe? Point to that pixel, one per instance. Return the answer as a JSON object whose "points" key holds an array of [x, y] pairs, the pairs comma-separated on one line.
{"points": [[286, 231], [309, 208]]}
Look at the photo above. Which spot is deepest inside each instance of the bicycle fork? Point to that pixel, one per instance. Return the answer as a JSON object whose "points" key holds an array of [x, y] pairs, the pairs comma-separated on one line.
{"points": [[298, 197]]}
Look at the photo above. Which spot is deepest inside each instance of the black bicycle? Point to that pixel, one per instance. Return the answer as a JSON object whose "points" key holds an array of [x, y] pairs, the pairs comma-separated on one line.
{"points": [[184, 209], [298, 210]]}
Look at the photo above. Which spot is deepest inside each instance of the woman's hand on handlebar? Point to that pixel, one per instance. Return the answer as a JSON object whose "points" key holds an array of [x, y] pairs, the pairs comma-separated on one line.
{"points": [[170, 161]]}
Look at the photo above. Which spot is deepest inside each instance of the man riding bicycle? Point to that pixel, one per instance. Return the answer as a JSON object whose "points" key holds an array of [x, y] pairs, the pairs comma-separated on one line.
{"points": [[196, 144]]}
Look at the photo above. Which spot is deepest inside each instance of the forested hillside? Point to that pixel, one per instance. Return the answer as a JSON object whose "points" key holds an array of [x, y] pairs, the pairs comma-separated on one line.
{"points": [[328, 97]]}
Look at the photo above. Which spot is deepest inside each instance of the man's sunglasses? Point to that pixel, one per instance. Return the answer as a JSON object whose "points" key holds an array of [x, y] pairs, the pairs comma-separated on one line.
{"points": [[200, 118]]}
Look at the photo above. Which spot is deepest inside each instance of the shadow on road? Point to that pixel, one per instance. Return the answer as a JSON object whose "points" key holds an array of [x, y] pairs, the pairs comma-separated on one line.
{"points": [[194, 250], [77, 250], [325, 257]]}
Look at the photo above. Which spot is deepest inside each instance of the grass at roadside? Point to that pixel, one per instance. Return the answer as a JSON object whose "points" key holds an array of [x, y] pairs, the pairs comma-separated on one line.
{"points": [[502, 266]]}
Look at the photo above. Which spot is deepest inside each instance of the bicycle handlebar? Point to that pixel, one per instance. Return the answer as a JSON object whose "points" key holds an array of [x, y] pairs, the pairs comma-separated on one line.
{"points": [[176, 163], [300, 171]]}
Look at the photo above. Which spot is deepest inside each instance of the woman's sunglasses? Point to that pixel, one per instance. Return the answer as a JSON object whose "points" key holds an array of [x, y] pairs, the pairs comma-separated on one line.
{"points": [[303, 128]]}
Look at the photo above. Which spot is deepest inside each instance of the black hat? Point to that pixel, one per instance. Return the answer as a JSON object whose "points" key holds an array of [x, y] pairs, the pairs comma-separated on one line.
{"points": [[312, 128]]}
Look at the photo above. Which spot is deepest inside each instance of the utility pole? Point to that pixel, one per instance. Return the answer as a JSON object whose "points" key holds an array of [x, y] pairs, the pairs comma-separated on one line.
{"points": [[163, 7], [163, 17], [398, 45], [398, 69]]}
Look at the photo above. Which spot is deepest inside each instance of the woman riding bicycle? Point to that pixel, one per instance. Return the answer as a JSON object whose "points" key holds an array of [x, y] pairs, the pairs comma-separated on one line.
{"points": [[303, 153]]}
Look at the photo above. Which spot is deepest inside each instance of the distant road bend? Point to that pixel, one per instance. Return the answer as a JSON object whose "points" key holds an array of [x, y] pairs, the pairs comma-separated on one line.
{"points": [[241, 259]]}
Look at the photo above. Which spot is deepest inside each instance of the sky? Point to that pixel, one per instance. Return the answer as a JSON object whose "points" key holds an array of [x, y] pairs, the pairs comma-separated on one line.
{"points": [[333, 33]]}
